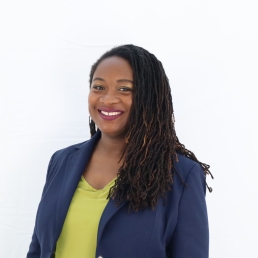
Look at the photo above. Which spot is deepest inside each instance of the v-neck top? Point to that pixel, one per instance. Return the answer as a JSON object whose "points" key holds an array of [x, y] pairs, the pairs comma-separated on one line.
{"points": [[79, 233]]}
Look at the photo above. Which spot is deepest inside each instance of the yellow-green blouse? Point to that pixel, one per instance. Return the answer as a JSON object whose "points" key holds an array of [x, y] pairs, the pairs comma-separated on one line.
{"points": [[79, 234]]}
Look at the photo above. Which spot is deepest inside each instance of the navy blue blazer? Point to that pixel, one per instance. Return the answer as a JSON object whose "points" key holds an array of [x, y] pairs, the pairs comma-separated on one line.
{"points": [[176, 229]]}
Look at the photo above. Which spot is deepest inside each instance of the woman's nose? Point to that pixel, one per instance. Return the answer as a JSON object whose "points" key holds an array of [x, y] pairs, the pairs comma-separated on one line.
{"points": [[109, 98]]}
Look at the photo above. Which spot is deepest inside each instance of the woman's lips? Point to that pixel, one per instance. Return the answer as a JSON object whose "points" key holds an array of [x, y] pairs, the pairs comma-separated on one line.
{"points": [[109, 114]]}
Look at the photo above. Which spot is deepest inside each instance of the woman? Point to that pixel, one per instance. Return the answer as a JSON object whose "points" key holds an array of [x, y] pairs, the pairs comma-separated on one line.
{"points": [[133, 190]]}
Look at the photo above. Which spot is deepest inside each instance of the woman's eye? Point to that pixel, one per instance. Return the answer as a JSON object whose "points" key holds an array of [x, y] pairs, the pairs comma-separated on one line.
{"points": [[97, 87], [125, 89]]}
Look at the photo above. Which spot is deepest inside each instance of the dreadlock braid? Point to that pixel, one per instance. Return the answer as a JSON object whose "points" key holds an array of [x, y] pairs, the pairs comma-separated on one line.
{"points": [[152, 144]]}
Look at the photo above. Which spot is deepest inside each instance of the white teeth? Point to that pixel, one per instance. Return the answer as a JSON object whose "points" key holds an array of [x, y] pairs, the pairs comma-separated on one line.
{"points": [[110, 113]]}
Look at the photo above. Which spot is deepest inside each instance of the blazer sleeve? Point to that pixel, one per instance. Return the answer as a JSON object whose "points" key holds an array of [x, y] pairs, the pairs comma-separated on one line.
{"points": [[34, 248], [191, 236]]}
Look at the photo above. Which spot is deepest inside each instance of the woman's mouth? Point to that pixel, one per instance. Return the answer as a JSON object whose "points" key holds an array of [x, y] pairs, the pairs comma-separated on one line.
{"points": [[110, 115]]}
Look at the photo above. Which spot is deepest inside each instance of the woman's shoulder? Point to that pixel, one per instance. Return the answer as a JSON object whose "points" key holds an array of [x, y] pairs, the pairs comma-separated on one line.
{"points": [[185, 161], [62, 154], [71, 148], [186, 166]]}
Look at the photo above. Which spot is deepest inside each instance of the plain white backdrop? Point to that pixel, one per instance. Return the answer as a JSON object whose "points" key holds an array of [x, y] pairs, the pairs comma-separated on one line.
{"points": [[209, 51]]}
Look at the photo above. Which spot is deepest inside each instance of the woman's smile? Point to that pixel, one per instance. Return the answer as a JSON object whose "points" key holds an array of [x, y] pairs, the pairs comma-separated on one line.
{"points": [[109, 113]]}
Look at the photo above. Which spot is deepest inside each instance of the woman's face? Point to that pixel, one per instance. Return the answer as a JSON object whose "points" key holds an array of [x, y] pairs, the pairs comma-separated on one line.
{"points": [[110, 96]]}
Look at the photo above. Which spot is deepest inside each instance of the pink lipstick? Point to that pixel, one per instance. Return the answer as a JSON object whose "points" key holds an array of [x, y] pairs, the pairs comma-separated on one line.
{"points": [[109, 113]]}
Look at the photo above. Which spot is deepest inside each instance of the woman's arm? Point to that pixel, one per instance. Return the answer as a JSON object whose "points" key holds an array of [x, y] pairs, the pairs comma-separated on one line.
{"points": [[191, 236], [34, 248]]}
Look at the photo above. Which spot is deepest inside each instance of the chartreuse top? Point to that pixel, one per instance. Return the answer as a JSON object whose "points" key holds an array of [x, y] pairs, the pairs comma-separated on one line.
{"points": [[79, 234]]}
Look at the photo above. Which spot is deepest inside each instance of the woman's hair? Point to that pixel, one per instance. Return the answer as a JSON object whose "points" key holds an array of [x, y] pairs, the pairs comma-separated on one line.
{"points": [[152, 144]]}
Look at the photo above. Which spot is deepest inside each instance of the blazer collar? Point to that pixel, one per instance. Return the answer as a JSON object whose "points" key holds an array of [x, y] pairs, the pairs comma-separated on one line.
{"points": [[90, 143]]}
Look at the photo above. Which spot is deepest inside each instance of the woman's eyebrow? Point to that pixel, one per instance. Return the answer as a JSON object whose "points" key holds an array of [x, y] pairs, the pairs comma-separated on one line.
{"points": [[98, 78], [120, 80], [125, 80]]}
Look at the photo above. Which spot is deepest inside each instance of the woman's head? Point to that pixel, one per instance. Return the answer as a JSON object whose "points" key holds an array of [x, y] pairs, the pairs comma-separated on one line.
{"points": [[152, 102], [110, 96], [152, 145]]}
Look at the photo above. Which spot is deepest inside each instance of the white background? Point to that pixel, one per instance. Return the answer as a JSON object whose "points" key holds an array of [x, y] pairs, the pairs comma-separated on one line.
{"points": [[209, 51]]}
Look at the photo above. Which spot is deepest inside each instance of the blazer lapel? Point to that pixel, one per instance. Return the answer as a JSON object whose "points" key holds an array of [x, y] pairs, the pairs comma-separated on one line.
{"points": [[74, 169], [107, 214], [75, 166]]}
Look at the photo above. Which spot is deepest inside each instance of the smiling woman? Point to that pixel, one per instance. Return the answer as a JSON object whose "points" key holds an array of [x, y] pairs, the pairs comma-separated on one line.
{"points": [[132, 190]]}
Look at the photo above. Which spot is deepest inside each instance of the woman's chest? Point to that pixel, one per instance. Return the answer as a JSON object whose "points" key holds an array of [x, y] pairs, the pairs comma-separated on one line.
{"points": [[101, 170], [120, 233], [134, 234]]}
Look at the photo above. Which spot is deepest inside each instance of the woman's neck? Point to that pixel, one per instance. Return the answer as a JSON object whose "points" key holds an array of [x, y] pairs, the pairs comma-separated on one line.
{"points": [[114, 147]]}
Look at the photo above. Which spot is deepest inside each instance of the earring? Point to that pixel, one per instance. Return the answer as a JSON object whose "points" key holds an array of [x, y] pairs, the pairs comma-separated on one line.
{"points": [[173, 118], [92, 125]]}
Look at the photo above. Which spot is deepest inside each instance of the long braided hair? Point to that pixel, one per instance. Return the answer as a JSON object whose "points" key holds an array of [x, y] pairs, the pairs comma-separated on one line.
{"points": [[152, 144]]}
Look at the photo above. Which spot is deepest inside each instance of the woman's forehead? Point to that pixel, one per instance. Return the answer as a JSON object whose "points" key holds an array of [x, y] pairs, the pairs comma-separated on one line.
{"points": [[114, 67]]}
